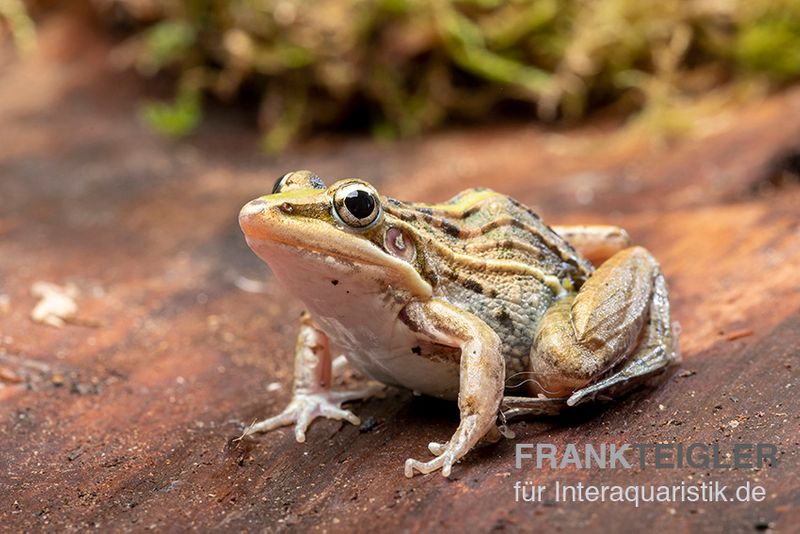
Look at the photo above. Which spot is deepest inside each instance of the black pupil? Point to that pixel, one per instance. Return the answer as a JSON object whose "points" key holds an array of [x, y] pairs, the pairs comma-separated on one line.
{"points": [[360, 203], [277, 187]]}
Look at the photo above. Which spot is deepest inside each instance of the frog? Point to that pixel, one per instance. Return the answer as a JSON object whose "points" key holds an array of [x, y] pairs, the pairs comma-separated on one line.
{"points": [[474, 300]]}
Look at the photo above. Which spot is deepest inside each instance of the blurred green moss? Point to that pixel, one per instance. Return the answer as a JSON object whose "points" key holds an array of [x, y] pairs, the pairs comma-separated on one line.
{"points": [[770, 43], [401, 67], [177, 118], [166, 43]]}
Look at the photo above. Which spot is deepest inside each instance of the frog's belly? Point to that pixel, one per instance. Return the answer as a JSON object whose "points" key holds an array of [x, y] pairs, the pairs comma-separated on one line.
{"points": [[429, 375], [398, 358]]}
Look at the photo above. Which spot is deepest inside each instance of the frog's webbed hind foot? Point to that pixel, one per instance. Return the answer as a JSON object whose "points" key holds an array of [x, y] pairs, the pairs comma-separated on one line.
{"points": [[513, 407]]}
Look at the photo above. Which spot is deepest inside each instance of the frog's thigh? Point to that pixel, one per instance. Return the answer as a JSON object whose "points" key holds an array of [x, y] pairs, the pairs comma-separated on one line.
{"points": [[583, 335], [596, 242], [656, 350]]}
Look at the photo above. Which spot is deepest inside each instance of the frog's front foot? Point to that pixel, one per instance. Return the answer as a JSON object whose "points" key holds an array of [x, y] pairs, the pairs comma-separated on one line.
{"points": [[448, 453], [307, 406], [440, 462], [446, 456]]}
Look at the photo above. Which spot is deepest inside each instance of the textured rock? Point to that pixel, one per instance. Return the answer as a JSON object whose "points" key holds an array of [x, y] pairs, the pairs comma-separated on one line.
{"points": [[123, 418]]}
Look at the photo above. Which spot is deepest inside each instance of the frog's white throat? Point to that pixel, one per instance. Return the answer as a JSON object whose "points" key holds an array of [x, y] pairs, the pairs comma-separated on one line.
{"points": [[333, 287], [357, 305]]}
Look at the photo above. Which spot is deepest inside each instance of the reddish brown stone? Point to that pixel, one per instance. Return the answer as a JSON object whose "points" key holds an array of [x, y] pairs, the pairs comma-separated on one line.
{"points": [[124, 420]]}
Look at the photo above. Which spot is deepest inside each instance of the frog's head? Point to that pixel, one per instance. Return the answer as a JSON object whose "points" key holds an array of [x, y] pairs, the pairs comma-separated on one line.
{"points": [[333, 241]]}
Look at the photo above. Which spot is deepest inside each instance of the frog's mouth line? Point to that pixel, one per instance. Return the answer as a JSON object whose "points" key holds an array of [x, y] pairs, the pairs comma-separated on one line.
{"points": [[410, 278], [258, 244]]}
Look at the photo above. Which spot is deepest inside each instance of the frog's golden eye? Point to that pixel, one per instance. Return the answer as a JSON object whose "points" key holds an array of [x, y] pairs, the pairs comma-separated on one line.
{"points": [[297, 180], [357, 205]]}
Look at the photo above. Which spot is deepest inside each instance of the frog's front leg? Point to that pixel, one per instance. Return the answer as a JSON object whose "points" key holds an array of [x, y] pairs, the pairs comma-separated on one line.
{"points": [[311, 393], [622, 311], [481, 377]]}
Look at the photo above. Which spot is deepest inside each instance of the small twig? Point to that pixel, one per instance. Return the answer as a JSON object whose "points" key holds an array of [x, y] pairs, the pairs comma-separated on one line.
{"points": [[739, 334]]}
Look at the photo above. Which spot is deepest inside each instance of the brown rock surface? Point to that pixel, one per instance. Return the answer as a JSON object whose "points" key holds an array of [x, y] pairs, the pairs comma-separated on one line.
{"points": [[122, 420]]}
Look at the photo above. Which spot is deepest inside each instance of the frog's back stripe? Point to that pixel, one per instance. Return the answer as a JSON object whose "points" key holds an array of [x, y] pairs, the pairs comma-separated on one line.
{"points": [[450, 241], [483, 246], [562, 245], [483, 265], [461, 206], [450, 219]]}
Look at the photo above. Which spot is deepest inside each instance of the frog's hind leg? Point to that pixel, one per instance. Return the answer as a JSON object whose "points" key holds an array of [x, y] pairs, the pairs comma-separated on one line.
{"points": [[621, 314], [656, 351], [596, 242]]}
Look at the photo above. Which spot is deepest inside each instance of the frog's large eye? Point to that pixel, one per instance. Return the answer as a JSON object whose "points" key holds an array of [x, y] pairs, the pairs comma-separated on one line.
{"points": [[357, 205], [279, 183], [297, 180]]}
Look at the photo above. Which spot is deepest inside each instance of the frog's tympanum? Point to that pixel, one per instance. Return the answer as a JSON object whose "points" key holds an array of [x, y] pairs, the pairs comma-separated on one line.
{"points": [[475, 299]]}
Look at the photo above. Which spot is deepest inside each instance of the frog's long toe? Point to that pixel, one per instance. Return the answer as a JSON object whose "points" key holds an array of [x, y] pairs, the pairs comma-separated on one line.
{"points": [[271, 423], [304, 409], [443, 462], [446, 455], [436, 448]]}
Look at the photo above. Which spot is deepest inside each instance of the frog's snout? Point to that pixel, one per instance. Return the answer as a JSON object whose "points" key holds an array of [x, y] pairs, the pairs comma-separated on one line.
{"points": [[251, 217]]}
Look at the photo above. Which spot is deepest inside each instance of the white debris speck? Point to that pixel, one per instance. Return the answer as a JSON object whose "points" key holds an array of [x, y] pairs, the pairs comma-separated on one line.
{"points": [[733, 424], [56, 303], [274, 386]]}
